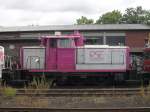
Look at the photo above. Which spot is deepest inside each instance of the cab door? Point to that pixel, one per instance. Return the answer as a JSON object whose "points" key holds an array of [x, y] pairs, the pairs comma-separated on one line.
{"points": [[52, 54], [66, 55]]}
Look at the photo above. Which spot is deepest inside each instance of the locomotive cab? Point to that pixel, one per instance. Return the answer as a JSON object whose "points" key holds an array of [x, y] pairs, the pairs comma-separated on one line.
{"points": [[60, 51]]}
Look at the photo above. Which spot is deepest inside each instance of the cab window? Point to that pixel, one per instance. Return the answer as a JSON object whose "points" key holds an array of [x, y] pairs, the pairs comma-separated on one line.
{"points": [[66, 43], [53, 43]]}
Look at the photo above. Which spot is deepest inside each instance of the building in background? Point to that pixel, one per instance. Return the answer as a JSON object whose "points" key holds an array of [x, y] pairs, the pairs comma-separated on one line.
{"points": [[132, 35]]}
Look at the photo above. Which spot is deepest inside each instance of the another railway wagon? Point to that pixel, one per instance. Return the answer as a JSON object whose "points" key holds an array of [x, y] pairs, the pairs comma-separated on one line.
{"points": [[1, 60]]}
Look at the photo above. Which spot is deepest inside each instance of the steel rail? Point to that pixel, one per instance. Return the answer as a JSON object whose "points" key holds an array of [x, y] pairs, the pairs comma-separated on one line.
{"points": [[57, 92], [82, 92], [38, 109]]}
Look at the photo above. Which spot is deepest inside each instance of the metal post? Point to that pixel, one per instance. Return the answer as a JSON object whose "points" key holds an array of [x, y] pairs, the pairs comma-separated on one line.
{"points": [[104, 38]]}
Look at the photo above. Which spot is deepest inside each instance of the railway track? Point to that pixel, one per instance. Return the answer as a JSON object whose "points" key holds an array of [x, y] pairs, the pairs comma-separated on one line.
{"points": [[26, 109], [82, 92]]}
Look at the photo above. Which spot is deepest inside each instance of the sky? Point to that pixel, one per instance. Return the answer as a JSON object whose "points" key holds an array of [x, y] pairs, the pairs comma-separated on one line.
{"points": [[59, 12]]}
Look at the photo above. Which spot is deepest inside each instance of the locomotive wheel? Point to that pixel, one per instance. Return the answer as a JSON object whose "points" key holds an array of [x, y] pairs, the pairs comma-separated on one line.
{"points": [[119, 78]]}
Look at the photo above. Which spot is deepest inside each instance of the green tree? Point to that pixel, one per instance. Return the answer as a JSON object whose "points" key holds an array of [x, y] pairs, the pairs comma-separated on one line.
{"points": [[131, 16], [84, 20], [113, 17], [136, 16], [147, 18]]}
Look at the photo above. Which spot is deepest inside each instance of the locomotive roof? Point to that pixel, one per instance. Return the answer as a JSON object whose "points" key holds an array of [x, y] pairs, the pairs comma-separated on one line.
{"points": [[85, 46], [33, 47], [62, 36], [102, 46]]}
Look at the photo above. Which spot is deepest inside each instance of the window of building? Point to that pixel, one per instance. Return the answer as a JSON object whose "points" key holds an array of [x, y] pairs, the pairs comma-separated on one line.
{"points": [[115, 40], [94, 41]]}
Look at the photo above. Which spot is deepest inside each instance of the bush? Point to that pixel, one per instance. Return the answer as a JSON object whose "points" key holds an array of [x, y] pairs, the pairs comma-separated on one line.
{"points": [[9, 92], [40, 83]]}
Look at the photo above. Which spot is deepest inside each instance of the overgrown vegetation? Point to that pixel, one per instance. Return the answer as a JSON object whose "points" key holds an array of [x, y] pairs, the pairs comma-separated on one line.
{"points": [[30, 102], [40, 83], [0, 86], [142, 91], [8, 92]]}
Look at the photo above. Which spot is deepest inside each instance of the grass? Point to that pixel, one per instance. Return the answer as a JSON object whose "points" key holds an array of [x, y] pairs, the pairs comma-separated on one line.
{"points": [[8, 92], [1, 86], [0, 83], [37, 85], [142, 91], [27, 101], [40, 83]]}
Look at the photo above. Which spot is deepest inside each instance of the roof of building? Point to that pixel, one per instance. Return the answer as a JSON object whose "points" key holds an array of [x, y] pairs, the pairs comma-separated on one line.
{"points": [[76, 27]]}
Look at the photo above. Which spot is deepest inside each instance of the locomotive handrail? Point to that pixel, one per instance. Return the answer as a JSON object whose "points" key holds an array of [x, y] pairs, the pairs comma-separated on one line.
{"points": [[8, 62]]}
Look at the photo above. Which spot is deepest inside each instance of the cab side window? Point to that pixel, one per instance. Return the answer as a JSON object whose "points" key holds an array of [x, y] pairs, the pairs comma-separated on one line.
{"points": [[53, 43], [66, 43]]}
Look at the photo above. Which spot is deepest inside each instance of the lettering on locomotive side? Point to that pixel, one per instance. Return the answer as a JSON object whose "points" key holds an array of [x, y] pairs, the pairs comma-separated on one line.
{"points": [[96, 54]]}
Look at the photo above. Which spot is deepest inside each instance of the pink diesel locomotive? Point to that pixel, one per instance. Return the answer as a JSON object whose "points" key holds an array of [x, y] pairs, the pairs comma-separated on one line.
{"points": [[65, 56]]}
